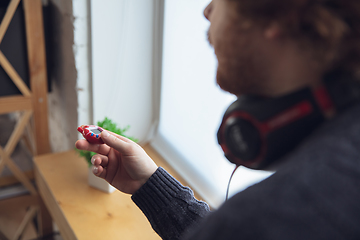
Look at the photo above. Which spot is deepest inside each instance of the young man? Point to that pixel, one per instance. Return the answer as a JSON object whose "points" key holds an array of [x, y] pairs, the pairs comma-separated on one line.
{"points": [[267, 49]]}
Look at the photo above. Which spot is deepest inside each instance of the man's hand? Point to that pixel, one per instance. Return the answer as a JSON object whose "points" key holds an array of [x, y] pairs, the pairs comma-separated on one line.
{"points": [[120, 161]]}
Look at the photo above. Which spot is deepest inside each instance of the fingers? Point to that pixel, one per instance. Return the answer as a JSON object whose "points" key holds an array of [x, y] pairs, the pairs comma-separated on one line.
{"points": [[111, 140], [99, 171], [119, 136], [120, 143], [98, 160], [98, 148], [100, 163]]}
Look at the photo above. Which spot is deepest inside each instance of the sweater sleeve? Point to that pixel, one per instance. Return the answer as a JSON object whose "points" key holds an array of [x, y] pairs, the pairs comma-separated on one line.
{"points": [[170, 207]]}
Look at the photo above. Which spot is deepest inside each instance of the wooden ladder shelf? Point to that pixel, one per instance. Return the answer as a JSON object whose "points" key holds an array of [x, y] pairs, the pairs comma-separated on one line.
{"points": [[32, 106]]}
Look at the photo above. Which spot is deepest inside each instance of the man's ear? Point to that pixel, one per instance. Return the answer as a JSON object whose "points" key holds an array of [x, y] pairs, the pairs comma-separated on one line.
{"points": [[272, 31]]}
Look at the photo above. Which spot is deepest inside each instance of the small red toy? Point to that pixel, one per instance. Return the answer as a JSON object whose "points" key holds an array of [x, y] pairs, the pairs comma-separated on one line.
{"points": [[91, 133]]}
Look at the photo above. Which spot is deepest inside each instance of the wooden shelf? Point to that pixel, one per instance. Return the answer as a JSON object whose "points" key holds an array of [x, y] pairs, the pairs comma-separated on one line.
{"points": [[82, 212]]}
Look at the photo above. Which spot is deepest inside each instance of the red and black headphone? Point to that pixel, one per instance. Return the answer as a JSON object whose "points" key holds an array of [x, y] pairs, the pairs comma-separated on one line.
{"points": [[255, 132]]}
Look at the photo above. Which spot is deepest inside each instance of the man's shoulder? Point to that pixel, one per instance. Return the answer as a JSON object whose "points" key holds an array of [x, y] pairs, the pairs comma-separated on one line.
{"points": [[315, 191]]}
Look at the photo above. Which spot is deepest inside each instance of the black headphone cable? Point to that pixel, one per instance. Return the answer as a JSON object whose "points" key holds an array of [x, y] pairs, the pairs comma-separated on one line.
{"points": [[228, 186]]}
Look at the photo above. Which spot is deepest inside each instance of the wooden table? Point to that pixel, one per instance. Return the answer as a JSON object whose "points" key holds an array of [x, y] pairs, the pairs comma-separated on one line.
{"points": [[82, 212]]}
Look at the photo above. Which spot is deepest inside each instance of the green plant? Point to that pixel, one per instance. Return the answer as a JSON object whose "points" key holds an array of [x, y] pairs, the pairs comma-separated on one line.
{"points": [[107, 124]]}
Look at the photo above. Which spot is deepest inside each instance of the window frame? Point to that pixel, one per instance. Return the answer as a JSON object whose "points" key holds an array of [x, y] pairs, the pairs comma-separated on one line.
{"points": [[85, 53]]}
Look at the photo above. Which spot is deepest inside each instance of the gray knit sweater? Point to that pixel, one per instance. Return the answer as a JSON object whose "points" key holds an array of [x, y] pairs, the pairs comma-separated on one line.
{"points": [[315, 194]]}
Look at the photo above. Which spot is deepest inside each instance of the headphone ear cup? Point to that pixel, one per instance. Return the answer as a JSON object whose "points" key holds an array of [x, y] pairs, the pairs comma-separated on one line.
{"points": [[257, 132], [240, 139]]}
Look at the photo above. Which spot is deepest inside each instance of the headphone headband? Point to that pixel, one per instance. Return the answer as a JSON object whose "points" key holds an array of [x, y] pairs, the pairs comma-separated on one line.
{"points": [[255, 132]]}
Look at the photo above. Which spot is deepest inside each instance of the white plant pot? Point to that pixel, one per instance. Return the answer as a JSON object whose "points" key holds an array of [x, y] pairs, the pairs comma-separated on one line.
{"points": [[99, 183]]}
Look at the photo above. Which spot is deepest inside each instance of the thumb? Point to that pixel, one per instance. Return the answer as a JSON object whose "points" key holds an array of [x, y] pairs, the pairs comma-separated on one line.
{"points": [[115, 141]]}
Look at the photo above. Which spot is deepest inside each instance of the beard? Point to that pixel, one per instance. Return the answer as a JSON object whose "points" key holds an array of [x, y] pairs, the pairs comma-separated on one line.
{"points": [[241, 69], [238, 77]]}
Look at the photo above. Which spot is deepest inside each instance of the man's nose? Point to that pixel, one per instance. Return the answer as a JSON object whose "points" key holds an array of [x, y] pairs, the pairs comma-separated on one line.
{"points": [[207, 10]]}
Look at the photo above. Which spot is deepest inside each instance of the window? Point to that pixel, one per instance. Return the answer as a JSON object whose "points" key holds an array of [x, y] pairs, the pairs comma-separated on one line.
{"points": [[133, 46], [122, 62], [192, 105]]}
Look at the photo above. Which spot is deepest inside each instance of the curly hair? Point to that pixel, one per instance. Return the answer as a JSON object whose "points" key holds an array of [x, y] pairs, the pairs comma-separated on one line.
{"points": [[329, 28]]}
